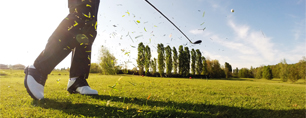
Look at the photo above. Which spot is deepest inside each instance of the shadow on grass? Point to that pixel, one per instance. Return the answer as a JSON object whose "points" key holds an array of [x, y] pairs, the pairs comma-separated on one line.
{"points": [[169, 109]]}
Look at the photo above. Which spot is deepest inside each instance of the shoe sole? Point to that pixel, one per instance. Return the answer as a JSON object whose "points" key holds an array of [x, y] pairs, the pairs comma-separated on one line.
{"points": [[26, 84], [75, 92]]}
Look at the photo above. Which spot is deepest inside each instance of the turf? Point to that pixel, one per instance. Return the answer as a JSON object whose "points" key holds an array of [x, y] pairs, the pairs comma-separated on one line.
{"points": [[136, 96]]}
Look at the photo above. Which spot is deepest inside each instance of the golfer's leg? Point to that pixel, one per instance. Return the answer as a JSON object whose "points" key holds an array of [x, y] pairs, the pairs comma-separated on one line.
{"points": [[81, 58], [80, 66], [81, 55], [58, 47]]}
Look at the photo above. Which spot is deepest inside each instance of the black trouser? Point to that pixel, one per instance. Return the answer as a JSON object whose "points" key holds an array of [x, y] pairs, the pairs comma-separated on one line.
{"points": [[75, 34]]}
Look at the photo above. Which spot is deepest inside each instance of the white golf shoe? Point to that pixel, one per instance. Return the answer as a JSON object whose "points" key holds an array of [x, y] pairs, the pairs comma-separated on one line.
{"points": [[80, 85], [34, 82]]}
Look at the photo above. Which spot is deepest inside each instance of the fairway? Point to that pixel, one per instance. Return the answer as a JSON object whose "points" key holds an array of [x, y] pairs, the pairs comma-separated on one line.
{"points": [[136, 96]]}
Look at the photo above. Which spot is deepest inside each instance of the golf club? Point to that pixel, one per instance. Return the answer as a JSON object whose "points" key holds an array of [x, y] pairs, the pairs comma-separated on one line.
{"points": [[197, 42]]}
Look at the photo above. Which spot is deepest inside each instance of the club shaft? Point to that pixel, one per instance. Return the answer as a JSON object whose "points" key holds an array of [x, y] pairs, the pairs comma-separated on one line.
{"points": [[168, 19]]}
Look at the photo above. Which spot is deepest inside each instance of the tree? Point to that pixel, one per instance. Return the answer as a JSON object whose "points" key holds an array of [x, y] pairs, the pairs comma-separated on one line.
{"points": [[141, 58], [259, 71], [147, 59], [267, 73], [186, 61], [153, 66], [160, 60], [227, 70], [168, 61], [181, 60], [275, 70], [107, 62], [199, 64], [244, 73], [293, 74], [216, 69], [193, 61], [302, 68], [283, 74], [251, 72], [205, 65], [175, 59]]}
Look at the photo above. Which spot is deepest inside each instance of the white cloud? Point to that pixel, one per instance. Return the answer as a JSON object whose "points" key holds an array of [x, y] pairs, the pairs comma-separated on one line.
{"points": [[241, 31], [254, 40], [251, 48]]}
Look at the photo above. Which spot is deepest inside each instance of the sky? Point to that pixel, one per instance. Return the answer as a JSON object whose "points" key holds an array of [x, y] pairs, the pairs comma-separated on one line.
{"points": [[258, 32]]}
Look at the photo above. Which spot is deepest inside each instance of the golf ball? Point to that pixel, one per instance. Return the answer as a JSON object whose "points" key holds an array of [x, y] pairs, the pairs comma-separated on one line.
{"points": [[232, 10]]}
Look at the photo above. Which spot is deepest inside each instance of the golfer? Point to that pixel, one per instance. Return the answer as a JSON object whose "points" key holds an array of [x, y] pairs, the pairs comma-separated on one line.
{"points": [[76, 34]]}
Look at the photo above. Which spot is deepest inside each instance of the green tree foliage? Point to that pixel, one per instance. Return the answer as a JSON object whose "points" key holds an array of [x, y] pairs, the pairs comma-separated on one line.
{"points": [[175, 61], [181, 60], [107, 62], [153, 66], [302, 68], [235, 72], [252, 71], [141, 58], [161, 59], [267, 73], [244, 73], [259, 71], [186, 61], [228, 70], [293, 74], [193, 62], [205, 65], [283, 74], [147, 59], [275, 70], [168, 61], [199, 64], [216, 71], [95, 68]]}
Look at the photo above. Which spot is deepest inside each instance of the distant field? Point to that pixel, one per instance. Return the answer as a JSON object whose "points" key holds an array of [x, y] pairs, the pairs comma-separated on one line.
{"points": [[136, 96]]}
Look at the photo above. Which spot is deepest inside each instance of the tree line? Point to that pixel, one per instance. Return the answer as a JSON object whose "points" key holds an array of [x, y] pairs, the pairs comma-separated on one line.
{"points": [[282, 70], [181, 63], [171, 62]]}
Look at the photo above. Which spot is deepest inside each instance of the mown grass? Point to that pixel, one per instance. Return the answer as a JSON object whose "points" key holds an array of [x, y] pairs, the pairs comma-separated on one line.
{"points": [[136, 96]]}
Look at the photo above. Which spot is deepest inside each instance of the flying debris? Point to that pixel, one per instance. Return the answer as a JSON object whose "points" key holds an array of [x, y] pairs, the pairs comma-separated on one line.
{"points": [[263, 34], [131, 38], [203, 28], [138, 36], [128, 13]]}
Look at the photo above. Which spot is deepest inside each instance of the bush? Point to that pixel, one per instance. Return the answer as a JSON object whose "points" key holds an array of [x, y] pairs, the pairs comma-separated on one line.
{"points": [[95, 68]]}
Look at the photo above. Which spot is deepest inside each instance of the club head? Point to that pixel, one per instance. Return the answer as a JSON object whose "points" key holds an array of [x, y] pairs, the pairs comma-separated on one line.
{"points": [[197, 42]]}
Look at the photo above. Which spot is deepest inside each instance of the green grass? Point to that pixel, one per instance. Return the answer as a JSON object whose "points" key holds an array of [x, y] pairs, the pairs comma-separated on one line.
{"points": [[169, 97]]}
